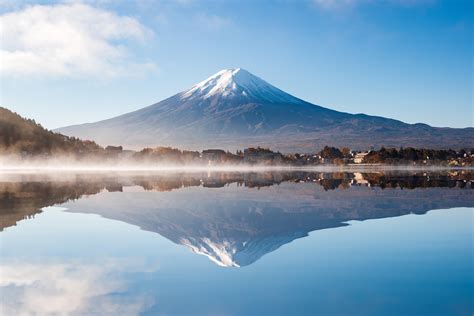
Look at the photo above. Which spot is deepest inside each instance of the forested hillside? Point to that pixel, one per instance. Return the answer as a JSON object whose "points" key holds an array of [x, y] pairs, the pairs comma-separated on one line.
{"points": [[28, 138]]}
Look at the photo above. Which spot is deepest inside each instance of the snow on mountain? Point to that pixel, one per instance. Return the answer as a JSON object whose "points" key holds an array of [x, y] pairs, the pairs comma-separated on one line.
{"points": [[234, 109], [240, 83]]}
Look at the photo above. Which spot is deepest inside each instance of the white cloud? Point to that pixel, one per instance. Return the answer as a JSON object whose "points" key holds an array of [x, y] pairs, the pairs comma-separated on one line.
{"points": [[69, 40], [71, 288]]}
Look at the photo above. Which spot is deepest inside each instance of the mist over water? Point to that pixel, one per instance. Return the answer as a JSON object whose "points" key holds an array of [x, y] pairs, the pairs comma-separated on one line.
{"points": [[10, 164]]}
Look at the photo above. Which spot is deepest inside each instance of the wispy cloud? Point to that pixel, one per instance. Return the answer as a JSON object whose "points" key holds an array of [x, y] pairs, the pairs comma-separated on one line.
{"points": [[65, 288], [212, 22], [343, 4], [72, 39], [331, 4]]}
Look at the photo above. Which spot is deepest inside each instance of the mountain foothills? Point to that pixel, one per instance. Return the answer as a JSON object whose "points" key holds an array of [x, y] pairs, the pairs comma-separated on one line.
{"points": [[235, 109], [24, 136]]}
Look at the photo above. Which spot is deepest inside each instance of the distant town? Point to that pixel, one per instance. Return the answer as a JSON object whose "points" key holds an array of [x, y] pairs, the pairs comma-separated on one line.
{"points": [[327, 156]]}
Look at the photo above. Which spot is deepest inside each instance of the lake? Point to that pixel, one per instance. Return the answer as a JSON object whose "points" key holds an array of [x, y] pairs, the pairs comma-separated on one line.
{"points": [[237, 243]]}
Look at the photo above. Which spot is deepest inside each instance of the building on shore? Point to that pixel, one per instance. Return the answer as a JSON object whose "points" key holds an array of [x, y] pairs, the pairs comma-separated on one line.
{"points": [[359, 157]]}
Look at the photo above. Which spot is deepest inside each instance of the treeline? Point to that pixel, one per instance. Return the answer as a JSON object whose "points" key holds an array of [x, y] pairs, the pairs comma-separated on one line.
{"points": [[417, 155], [20, 136], [392, 156], [328, 155], [166, 155]]}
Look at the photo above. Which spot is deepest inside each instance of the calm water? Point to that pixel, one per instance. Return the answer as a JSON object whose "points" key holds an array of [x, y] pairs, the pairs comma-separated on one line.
{"points": [[293, 243]]}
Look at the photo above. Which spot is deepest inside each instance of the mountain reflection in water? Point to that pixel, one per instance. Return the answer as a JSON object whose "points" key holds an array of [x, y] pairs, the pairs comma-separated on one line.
{"points": [[251, 214]]}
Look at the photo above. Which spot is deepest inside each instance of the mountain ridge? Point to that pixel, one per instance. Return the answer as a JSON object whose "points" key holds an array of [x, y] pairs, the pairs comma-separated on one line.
{"points": [[235, 109]]}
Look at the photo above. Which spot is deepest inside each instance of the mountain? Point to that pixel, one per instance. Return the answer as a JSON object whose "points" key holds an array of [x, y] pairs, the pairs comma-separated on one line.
{"points": [[24, 136], [236, 109]]}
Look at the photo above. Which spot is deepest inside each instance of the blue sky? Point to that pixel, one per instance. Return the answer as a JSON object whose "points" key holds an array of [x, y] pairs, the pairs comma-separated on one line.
{"points": [[72, 62]]}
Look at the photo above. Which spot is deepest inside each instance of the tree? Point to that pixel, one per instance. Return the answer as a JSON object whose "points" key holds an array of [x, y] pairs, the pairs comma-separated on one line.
{"points": [[345, 152], [330, 153]]}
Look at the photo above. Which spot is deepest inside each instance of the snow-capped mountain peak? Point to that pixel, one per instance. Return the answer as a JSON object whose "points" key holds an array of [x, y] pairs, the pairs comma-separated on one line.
{"points": [[235, 109], [237, 82]]}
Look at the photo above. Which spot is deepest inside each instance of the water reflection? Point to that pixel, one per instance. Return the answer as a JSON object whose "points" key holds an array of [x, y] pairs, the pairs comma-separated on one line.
{"points": [[251, 215], [71, 286]]}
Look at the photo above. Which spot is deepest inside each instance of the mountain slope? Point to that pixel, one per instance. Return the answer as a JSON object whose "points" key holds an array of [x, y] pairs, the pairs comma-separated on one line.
{"points": [[235, 109], [23, 136]]}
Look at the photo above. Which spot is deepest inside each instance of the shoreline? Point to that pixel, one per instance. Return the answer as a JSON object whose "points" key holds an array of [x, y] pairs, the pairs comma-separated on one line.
{"points": [[228, 168]]}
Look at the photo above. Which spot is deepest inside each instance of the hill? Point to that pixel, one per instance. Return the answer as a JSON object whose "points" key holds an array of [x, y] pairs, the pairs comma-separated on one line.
{"points": [[20, 136]]}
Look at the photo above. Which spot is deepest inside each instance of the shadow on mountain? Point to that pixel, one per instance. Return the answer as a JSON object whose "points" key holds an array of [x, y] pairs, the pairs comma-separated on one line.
{"points": [[252, 214]]}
